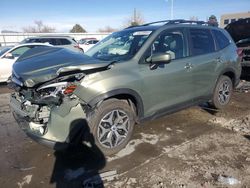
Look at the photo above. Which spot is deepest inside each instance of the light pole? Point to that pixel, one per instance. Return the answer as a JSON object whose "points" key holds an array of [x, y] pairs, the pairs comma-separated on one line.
{"points": [[172, 9]]}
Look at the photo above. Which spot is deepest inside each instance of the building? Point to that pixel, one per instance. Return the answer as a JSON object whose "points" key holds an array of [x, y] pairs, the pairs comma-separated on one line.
{"points": [[229, 18]]}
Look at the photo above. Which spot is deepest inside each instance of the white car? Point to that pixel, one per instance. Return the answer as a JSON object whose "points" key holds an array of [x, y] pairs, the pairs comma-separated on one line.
{"points": [[87, 44], [9, 55]]}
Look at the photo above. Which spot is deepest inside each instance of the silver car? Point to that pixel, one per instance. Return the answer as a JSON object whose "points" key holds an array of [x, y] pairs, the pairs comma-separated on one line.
{"points": [[60, 41]]}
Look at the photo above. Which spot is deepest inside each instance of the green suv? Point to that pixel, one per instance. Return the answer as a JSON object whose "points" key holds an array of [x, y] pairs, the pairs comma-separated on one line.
{"points": [[137, 74]]}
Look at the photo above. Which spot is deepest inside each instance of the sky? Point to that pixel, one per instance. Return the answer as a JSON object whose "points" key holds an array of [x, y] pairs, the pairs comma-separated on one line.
{"points": [[95, 14]]}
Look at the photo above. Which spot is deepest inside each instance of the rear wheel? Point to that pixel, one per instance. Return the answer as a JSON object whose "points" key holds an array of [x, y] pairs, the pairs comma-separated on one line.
{"points": [[223, 92], [112, 124]]}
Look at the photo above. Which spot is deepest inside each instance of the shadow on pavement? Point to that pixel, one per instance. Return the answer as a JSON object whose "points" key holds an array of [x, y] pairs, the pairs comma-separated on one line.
{"points": [[247, 137], [208, 108], [79, 165], [245, 74]]}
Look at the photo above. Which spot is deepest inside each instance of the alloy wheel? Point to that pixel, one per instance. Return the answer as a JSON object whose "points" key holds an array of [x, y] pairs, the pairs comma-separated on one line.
{"points": [[113, 128]]}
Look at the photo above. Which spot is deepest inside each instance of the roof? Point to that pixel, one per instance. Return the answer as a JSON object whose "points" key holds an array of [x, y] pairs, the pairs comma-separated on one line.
{"points": [[51, 36]]}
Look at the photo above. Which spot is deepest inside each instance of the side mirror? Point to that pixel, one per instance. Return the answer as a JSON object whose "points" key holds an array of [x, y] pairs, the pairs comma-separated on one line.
{"points": [[9, 56], [157, 59]]}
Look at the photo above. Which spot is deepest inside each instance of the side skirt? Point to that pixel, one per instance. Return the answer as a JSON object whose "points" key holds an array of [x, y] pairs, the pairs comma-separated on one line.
{"points": [[175, 108]]}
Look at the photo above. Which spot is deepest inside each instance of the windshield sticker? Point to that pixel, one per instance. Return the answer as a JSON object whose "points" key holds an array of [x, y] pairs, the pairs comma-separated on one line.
{"points": [[142, 33]]}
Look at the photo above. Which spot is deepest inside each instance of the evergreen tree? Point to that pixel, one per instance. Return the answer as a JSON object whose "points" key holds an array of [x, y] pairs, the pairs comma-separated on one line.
{"points": [[77, 29]]}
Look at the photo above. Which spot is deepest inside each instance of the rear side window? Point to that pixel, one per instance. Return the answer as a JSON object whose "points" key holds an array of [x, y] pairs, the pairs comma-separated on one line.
{"points": [[64, 42], [221, 39], [201, 42], [44, 40], [54, 42]]}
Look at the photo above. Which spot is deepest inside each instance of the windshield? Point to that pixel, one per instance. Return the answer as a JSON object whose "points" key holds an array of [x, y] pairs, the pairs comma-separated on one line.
{"points": [[119, 46], [2, 51]]}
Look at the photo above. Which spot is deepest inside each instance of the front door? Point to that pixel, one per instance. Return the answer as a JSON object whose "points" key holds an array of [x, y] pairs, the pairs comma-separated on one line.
{"points": [[6, 68], [7, 61], [169, 84]]}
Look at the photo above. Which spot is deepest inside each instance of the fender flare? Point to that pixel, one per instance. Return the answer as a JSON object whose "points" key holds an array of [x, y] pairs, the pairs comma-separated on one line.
{"points": [[235, 79], [122, 91]]}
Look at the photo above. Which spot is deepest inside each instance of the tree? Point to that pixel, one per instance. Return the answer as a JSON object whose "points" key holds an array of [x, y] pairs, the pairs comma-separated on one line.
{"points": [[39, 27], [212, 21], [107, 29], [135, 19], [77, 28]]}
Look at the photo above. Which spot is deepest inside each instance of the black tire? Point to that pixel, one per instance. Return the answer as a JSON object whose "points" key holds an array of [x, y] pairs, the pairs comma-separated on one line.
{"points": [[96, 123], [222, 92]]}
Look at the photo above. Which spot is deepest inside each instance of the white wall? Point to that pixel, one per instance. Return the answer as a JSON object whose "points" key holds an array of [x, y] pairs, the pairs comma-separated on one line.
{"points": [[7, 39]]}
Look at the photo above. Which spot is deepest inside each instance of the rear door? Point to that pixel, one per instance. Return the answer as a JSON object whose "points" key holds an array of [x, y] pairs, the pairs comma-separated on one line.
{"points": [[203, 61]]}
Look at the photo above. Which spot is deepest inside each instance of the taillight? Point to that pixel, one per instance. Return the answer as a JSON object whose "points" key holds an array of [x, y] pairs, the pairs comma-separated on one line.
{"points": [[70, 89], [77, 46], [240, 53]]}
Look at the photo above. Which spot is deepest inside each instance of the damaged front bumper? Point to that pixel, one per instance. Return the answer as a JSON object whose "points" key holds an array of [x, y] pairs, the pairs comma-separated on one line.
{"points": [[53, 126]]}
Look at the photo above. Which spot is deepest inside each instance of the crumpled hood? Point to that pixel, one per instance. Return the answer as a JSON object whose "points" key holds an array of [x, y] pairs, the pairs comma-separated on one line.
{"points": [[239, 30], [46, 63]]}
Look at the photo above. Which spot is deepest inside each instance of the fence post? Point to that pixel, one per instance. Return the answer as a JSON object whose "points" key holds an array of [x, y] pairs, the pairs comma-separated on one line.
{"points": [[4, 40]]}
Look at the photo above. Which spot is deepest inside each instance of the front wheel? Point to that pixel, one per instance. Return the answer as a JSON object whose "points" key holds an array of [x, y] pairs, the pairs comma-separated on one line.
{"points": [[223, 92], [112, 124]]}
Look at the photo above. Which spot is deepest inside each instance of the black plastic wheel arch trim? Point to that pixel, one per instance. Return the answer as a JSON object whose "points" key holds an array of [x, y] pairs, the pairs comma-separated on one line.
{"points": [[123, 91]]}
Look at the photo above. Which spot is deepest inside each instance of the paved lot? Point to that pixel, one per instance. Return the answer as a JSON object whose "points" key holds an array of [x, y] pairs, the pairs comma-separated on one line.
{"points": [[197, 147]]}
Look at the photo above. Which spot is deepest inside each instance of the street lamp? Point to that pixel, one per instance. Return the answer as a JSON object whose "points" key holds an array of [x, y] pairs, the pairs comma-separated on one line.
{"points": [[172, 9]]}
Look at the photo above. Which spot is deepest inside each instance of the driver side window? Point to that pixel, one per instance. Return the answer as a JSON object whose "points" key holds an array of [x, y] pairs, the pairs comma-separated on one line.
{"points": [[171, 42]]}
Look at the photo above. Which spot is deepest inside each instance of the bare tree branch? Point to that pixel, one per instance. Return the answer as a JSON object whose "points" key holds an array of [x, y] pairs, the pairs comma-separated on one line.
{"points": [[135, 19], [107, 29], [39, 27]]}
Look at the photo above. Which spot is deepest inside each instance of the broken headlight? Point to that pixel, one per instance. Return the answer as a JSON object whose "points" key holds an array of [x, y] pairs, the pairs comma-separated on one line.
{"points": [[53, 93]]}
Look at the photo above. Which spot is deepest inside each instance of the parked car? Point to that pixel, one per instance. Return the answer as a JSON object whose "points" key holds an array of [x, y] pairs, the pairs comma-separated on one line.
{"points": [[239, 31], [60, 41], [9, 55], [87, 44], [134, 75], [81, 41]]}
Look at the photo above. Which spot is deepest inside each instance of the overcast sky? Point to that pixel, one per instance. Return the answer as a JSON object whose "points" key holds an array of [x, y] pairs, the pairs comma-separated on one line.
{"points": [[95, 14]]}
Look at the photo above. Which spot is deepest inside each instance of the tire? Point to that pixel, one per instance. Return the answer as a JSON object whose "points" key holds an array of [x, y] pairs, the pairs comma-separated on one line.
{"points": [[110, 133], [222, 92]]}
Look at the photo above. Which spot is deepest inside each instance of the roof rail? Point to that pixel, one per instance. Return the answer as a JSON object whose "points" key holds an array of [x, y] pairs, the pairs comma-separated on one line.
{"points": [[162, 21], [177, 21], [180, 21], [168, 22]]}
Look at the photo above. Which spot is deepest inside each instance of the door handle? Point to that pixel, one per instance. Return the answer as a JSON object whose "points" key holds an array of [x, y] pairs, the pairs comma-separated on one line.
{"points": [[188, 66], [218, 60]]}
